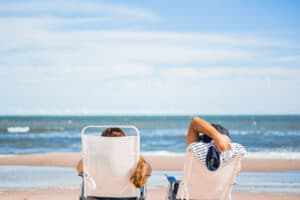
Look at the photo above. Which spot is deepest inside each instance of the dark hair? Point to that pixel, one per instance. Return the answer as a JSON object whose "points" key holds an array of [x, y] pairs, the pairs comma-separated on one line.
{"points": [[113, 132], [219, 128]]}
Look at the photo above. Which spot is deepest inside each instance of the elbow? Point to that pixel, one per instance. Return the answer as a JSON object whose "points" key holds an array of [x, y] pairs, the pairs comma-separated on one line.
{"points": [[195, 121]]}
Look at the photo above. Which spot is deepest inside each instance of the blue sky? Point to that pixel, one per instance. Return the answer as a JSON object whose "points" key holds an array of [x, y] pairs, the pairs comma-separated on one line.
{"points": [[149, 57]]}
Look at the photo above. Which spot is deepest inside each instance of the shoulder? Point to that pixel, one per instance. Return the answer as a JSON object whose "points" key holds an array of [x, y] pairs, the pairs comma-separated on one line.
{"points": [[236, 151], [198, 145], [199, 149]]}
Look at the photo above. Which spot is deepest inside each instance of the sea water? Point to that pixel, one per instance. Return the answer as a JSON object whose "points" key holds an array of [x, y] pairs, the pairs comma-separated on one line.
{"points": [[16, 177], [262, 136]]}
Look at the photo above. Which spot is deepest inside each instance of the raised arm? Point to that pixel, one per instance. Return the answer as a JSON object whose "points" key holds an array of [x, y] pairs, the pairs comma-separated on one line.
{"points": [[198, 125]]}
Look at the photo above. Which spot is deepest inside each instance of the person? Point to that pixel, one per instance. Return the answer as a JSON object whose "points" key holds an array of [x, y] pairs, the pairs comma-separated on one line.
{"points": [[143, 168], [202, 135]]}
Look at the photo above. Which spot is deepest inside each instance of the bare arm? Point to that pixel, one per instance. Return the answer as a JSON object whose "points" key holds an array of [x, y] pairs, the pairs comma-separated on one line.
{"points": [[148, 169], [198, 125], [79, 167]]}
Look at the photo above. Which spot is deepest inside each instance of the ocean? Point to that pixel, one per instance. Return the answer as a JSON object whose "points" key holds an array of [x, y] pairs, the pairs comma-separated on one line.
{"points": [[16, 177], [262, 136]]}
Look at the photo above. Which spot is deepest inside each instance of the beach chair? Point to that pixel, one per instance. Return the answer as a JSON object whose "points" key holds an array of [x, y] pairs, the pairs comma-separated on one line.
{"points": [[108, 163], [198, 183]]}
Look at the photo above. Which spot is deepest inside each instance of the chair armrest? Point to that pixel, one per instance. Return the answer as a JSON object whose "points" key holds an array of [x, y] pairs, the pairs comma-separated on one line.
{"points": [[173, 187], [171, 179]]}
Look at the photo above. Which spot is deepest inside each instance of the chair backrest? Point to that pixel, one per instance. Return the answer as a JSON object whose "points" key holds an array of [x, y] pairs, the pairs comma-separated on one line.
{"points": [[108, 163], [198, 182]]}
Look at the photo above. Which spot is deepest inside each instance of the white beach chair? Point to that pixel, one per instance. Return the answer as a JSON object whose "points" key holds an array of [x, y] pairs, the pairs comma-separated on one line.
{"points": [[198, 183], [108, 163]]}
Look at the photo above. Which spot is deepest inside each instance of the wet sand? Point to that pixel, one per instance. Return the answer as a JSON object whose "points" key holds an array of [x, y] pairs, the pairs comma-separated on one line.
{"points": [[158, 162], [153, 194]]}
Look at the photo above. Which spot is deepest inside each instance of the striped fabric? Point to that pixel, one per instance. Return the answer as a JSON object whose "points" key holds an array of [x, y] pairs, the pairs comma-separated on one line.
{"points": [[200, 149]]}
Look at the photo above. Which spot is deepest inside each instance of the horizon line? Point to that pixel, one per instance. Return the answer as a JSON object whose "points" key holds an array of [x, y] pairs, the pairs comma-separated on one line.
{"points": [[144, 114]]}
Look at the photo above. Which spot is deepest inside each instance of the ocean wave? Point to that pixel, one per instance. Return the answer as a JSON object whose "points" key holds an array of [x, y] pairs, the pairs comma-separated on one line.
{"points": [[161, 132], [27, 129], [256, 155], [161, 153], [42, 135], [20, 129], [274, 155], [264, 133]]}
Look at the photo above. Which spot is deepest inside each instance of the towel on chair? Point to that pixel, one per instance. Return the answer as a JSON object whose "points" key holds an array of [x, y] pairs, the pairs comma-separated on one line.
{"points": [[213, 161]]}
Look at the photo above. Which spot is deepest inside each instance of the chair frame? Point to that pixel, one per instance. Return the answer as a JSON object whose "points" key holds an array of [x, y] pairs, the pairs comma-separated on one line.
{"points": [[143, 190], [173, 187]]}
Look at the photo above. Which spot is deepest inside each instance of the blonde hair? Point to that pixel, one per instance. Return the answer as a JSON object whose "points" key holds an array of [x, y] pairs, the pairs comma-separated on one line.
{"points": [[139, 177]]}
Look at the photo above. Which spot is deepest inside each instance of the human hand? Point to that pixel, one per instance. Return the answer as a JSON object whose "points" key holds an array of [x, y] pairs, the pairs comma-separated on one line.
{"points": [[223, 143]]}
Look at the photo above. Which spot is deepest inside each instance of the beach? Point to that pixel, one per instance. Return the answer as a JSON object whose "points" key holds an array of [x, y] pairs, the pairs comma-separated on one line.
{"points": [[153, 194], [158, 162], [46, 149]]}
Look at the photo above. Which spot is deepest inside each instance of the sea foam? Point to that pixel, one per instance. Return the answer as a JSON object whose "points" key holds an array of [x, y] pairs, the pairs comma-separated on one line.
{"points": [[23, 129], [254, 155]]}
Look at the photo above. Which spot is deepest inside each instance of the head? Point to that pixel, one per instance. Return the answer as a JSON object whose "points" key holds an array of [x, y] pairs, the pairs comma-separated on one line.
{"points": [[138, 178], [219, 128], [113, 132]]}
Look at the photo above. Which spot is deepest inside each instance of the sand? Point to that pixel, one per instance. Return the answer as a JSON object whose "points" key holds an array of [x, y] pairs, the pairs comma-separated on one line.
{"points": [[158, 162], [153, 194]]}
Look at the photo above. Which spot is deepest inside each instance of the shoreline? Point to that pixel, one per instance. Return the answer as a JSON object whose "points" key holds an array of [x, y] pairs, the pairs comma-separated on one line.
{"points": [[158, 162], [152, 194]]}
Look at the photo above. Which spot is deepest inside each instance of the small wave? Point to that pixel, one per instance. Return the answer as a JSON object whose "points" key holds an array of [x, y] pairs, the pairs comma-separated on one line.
{"points": [[264, 133], [162, 153], [256, 155], [24, 129], [27, 129], [274, 155]]}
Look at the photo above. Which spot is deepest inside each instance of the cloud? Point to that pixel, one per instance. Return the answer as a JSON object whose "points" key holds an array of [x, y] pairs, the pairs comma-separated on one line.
{"points": [[294, 59], [73, 9], [52, 63], [172, 91], [25, 45], [231, 73]]}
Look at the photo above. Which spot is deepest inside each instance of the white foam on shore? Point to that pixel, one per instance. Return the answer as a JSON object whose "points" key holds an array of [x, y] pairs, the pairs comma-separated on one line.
{"points": [[16, 177], [253, 155], [6, 155], [161, 153], [274, 155]]}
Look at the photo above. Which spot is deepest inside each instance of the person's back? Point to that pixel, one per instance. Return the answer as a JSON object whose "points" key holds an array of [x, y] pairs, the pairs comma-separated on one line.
{"points": [[204, 176], [204, 137]]}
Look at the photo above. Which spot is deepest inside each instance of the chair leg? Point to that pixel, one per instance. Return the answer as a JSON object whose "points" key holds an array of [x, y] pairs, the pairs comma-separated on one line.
{"points": [[81, 195], [172, 191], [143, 192]]}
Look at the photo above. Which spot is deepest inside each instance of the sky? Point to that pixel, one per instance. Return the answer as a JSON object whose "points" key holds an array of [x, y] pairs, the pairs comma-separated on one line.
{"points": [[149, 57]]}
